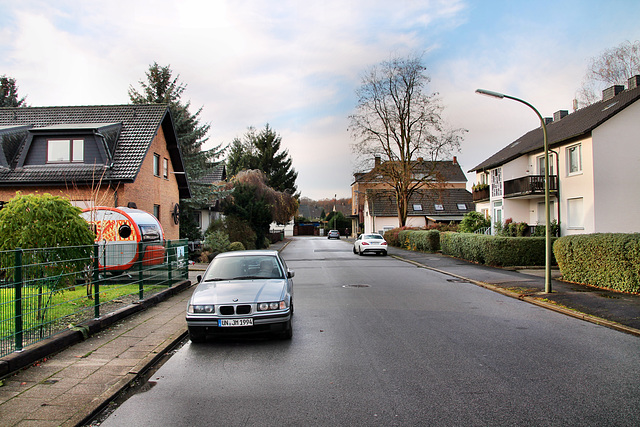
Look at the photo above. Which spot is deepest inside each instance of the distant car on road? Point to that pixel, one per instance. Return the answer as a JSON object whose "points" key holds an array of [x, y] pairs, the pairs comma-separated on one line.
{"points": [[372, 242], [242, 292], [333, 234]]}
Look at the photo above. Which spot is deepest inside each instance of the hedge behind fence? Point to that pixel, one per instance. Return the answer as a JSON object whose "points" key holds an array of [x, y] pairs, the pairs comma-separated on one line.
{"points": [[608, 260], [495, 250]]}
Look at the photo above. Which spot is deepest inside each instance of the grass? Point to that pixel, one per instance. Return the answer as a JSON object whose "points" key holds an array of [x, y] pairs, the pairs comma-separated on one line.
{"points": [[70, 306]]}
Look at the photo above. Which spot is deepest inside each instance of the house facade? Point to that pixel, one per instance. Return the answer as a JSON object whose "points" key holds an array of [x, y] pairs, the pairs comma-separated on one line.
{"points": [[373, 202], [425, 208], [118, 155], [594, 164]]}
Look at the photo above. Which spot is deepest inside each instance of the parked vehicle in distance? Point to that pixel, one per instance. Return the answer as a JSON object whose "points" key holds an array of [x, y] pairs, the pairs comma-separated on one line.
{"points": [[372, 242], [333, 234], [242, 292]]}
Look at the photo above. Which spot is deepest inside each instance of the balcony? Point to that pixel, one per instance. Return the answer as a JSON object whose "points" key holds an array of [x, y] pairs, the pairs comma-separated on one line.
{"points": [[481, 195], [529, 186]]}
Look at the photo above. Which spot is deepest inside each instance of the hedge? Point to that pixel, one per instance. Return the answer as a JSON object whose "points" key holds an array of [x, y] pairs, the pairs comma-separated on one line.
{"points": [[607, 260], [421, 240], [495, 250]]}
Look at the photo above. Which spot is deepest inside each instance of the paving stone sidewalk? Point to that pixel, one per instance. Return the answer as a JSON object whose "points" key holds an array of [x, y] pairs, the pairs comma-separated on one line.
{"points": [[69, 386]]}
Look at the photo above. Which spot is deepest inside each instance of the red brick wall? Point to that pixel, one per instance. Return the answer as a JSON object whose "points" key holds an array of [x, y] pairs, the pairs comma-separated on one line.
{"points": [[147, 190]]}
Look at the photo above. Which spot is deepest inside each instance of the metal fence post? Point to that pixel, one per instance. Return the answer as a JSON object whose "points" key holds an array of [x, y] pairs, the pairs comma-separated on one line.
{"points": [[170, 258], [96, 280], [140, 271], [17, 278]]}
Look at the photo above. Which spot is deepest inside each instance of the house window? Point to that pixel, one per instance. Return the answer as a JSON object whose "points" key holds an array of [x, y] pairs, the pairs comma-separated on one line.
{"points": [[65, 151], [417, 207], [462, 207], [156, 165], [496, 182], [165, 168], [439, 207], [574, 159], [540, 161], [575, 215], [541, 212], [156, 211]]}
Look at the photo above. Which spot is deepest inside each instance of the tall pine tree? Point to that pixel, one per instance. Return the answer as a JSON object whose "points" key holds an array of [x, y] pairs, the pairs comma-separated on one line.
{"points": [[161, 87], [261, 150], [9, 93]]}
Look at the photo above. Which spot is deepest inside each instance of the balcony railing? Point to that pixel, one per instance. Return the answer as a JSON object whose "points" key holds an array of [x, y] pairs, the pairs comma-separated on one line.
{"points": [[481, 195], [531, 185]]}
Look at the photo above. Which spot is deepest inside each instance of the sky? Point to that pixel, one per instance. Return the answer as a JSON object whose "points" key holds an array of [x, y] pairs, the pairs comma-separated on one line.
{"points": [[296, 65]]}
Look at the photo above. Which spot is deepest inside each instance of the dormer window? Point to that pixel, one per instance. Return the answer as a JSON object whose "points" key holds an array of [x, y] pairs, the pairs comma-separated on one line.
{"points": [[65, 151]]}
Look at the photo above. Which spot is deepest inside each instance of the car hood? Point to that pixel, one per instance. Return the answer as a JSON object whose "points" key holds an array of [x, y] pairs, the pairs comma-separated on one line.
{"points": [[239, 291]]}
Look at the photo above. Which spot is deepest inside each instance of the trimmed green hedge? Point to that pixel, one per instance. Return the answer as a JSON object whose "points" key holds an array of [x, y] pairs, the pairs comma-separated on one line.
{"points": [[608, 260], [421, 240], [495, 250]]}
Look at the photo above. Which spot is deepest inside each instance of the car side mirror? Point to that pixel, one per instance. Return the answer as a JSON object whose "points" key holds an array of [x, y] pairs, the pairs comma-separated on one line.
{"points": [[290, 274], [198, 278]]}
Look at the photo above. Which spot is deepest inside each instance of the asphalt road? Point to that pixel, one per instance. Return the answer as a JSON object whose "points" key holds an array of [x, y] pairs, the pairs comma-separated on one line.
{"points": [[378, 341]]}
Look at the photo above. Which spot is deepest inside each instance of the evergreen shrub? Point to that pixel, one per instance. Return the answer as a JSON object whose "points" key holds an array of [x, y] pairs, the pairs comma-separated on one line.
{"points": [[607, 260], [495, 250]]}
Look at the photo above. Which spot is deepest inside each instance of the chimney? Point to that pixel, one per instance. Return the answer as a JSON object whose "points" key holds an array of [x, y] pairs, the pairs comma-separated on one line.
{"points": [[612, 91], [548, 120], [634, 82], [376, 161], [559, 115], [455, 160], [420, 160]]}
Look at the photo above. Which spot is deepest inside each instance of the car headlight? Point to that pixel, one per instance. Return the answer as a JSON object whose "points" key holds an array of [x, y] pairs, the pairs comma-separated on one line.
{"points": [[276, 305], [202, 308]]}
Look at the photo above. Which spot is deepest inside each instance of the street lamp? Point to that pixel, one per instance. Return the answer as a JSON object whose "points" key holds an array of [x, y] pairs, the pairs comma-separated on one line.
{"points": [[547, 212]]}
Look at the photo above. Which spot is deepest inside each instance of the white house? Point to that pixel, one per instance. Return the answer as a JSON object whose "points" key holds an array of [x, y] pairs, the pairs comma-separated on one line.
{"points": [[594, 168]]}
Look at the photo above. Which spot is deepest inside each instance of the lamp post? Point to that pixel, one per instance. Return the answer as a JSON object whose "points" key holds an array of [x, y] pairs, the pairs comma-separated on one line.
{"points": [[547, 213]]}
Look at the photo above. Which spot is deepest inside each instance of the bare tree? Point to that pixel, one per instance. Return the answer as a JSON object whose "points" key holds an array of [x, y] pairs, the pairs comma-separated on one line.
{"points": [[397, 120], [613, 67]]}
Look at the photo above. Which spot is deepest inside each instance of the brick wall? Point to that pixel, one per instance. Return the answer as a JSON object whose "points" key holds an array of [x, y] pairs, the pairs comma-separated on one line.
{"points": [[147, 190]]}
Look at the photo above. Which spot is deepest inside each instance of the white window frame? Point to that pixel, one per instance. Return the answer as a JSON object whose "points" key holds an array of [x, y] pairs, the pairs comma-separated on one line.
{"points": [[540, 164], [439, 207], [165, 168], [575, 216], [65, 151], [569, 150], [156, 164]]}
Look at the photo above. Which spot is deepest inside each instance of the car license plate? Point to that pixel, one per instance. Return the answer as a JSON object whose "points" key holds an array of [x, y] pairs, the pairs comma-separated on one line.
{"points": [[230, 323]]}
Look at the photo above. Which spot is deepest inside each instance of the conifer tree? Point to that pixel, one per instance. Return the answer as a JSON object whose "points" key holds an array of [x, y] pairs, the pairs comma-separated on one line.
{"points": [[161, 87]]}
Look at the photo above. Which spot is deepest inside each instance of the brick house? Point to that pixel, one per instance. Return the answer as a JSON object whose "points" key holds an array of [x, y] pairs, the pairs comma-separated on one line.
{"points": [[373, 201], [111, 155]]}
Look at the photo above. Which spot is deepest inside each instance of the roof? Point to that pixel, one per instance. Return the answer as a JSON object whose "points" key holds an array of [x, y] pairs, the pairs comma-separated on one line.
{"points": [[218, 173], [445, 171], [137, 125], [423, 203], [573, 126]]}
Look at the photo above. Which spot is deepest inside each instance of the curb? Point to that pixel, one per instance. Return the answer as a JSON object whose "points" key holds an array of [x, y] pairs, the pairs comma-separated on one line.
{"points": [[99, 403], [18, 360], [533, 300]]}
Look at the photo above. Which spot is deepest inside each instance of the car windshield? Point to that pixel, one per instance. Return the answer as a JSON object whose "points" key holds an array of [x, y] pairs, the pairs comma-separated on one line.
{"points": [[244, 268], [372, 237]]}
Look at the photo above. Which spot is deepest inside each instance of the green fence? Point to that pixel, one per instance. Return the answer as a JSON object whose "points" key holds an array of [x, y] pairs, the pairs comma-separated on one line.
{"points": [[46, 291]]}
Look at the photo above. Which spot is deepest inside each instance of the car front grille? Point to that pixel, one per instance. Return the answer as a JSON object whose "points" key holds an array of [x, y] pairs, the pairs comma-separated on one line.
{"points": [[230, 310]]}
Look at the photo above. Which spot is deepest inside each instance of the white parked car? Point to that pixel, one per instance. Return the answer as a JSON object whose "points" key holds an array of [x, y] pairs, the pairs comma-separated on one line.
{"points": [[372, 242]]}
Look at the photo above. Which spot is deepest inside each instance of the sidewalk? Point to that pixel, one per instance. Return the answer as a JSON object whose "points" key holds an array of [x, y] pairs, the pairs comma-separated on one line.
{"points": [[65, 388], [612, 309], [74, 384]]}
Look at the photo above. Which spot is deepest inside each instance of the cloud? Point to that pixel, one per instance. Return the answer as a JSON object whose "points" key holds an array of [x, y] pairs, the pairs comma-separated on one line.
{"points": [[296, 65]]}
